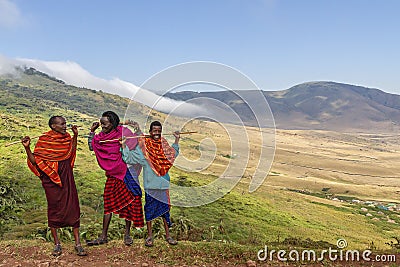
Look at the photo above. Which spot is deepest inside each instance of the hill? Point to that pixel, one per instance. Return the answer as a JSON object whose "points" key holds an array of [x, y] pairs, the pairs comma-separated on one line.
{"points": [[323, 186], [32, 91], [317, 106]]}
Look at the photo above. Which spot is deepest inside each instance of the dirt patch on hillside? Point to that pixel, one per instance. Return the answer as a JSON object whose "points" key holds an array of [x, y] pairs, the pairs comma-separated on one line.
{"points": [[37, 254]]}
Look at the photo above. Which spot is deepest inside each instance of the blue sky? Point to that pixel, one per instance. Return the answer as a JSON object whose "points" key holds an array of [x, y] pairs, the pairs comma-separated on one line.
{"points": [[277, 44]]}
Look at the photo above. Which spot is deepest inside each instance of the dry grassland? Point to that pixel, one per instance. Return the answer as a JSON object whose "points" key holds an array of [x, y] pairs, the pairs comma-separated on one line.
{"points": [[363, 166]]}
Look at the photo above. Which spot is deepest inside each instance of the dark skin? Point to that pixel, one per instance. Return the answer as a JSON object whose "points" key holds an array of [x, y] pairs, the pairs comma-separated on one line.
{"points": [[155, 134], [60, 126], [106, 127]]}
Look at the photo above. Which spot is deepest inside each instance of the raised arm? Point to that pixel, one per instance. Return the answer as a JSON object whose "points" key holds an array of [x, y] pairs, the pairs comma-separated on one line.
{"points": [[135, 125], [177, 137], [26, 142], [175, 145], [75, 137], [95, 125]]}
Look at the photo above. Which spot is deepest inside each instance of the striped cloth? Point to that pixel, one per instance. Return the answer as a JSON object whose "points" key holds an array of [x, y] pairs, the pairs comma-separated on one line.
{"points": [[158, 153], [157, 205], [51, 148], [119, 200]]}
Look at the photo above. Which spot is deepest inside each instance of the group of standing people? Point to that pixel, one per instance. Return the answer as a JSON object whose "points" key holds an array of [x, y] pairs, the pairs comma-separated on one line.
{"points": [[122, 154]]}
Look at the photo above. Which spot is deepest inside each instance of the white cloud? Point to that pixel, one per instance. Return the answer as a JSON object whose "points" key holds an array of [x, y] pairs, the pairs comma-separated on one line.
{"points": [[73, 74], [7, 66], [10, 15]]}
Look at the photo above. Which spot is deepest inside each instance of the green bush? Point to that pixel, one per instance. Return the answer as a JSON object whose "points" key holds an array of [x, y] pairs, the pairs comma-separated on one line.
{"points": [[11, 203]]}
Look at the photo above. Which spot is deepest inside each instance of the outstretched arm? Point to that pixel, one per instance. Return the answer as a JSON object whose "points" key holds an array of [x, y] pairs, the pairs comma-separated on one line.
{"points": [[133, 156]]}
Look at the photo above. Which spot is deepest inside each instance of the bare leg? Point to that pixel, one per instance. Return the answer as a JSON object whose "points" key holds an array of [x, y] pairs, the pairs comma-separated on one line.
{"points": [[149, 239], [149, 231], [76, 236], [127, 238], [106, 224], [102, 239], [55, 236], [169, 239], [127, 227], [166, 228], [78, 247], [57, 245]]}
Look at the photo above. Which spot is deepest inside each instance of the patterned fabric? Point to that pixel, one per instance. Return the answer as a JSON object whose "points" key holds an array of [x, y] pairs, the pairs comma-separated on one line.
{"points": [[158, 153], [51, 148], [157, 204], [118, 199], [108, 153], [132, 180]]}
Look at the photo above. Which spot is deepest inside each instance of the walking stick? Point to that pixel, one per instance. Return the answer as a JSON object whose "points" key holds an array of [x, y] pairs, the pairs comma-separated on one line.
{"points": [[139, 136]]}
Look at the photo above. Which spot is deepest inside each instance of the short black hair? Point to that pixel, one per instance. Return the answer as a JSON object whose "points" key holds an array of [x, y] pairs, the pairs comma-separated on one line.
{"points": [[112, 118], [155, 123], [53, 118]]}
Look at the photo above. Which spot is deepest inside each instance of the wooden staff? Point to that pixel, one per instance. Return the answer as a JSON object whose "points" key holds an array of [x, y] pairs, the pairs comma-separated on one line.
{"points": [[139, 136], [16, 142]]}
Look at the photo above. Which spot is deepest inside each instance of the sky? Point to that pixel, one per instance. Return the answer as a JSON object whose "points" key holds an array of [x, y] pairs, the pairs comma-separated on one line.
{"points": [[276, 43]]}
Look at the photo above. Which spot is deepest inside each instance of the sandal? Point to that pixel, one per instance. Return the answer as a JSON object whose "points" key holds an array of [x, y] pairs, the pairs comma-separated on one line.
{"points": [[171, 241], [80, 251], [128, 240], [57, 250], [149, 242], [96, 242]]}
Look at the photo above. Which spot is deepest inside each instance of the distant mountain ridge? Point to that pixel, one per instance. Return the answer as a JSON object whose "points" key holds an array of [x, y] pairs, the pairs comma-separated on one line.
{"points": [[318, 106], [312, 105]]}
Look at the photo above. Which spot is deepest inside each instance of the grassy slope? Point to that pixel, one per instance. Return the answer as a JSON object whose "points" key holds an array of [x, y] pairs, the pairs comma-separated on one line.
{"points": [[269, 215]]}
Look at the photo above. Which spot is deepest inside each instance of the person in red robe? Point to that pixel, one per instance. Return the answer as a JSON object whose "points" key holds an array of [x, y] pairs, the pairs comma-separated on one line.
{"points": [[52, 161], [122, 193]]}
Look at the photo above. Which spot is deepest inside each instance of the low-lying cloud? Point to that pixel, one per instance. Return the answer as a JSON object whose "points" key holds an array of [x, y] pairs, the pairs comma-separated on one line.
{"points": [[73, 74]]}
